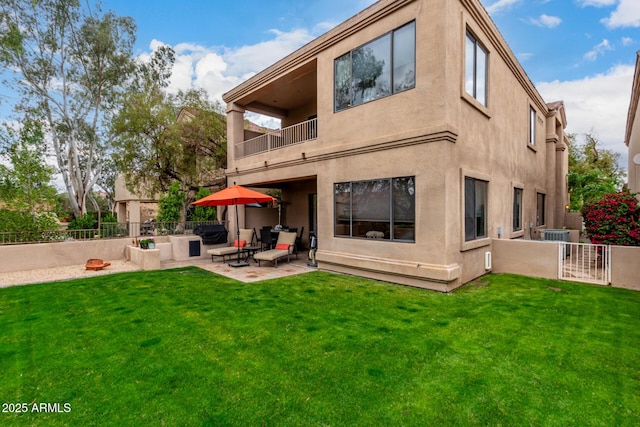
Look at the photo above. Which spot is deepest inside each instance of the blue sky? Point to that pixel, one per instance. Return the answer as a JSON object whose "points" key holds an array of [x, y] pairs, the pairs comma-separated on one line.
{"points": [[579, 51]]}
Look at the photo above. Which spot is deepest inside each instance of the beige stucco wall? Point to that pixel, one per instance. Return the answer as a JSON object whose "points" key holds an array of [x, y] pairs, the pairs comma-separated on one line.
{"points": [[526, 257], [625, 269], [47, 255], [632, 136], [435, 132], [634, 149]]}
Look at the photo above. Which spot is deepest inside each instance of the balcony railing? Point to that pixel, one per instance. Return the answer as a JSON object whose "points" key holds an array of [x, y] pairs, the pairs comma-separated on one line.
{"points": [[300, 132]]}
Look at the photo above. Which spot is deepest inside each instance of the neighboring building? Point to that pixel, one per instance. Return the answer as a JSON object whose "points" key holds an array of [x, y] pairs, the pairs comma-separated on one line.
{"points": [[632, 137], [134, 207], [141, 205], [411, 138]]}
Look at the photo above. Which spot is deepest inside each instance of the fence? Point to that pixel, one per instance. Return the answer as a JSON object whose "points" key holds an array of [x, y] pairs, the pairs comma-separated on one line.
{"points": [[584, 262], [108, 230], [546, 259]]}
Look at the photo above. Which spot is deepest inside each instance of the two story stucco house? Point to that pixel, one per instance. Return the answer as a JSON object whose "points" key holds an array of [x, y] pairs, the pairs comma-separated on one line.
{"points": [[411, 138], [632, 135]]}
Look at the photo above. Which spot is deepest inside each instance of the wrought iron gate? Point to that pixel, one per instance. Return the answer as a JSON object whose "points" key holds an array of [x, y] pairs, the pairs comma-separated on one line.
{"points": [[584, 262]]}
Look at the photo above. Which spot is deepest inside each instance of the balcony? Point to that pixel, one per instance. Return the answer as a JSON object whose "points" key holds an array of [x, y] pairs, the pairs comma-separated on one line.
{"points": [[279, 138]]}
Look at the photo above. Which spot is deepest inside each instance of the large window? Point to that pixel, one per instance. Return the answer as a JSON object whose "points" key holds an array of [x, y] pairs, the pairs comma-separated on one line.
{"points": [[377, 209], [540, 209], [517, 209], [377, 69], [475, 208], [476, 70]]}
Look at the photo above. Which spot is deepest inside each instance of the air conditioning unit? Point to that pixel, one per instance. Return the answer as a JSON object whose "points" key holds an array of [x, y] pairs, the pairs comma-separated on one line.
{"points": [[487, 260]]}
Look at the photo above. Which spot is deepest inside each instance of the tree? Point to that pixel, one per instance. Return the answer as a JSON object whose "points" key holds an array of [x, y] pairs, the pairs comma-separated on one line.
{"points": [[161, 138], [10, 37], [25, 183], [70, 64], [593, 171]]}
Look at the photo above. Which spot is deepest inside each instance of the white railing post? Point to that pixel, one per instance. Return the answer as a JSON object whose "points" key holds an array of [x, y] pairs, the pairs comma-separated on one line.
{"points": [[560, 261]]}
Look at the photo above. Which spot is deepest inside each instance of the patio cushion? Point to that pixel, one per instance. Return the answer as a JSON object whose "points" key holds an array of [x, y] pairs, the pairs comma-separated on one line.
{"points": [[285, 240], [227, 250], [241, 243], [271, 255]]}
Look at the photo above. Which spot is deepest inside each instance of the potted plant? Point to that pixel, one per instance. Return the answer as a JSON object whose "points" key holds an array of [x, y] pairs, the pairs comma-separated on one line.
{"points": [[147, 243]]}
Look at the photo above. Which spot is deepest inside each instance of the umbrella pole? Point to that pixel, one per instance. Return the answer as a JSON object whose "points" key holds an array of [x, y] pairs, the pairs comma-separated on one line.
{"points": [[238, 263]]}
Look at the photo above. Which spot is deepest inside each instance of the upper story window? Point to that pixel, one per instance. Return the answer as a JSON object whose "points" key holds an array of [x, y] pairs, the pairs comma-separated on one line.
{"points": [[532, 126], [476, 69], [377, 69]]}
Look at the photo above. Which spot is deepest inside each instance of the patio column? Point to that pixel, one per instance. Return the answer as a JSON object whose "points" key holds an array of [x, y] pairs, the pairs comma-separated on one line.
{"points": [[235, 131]]}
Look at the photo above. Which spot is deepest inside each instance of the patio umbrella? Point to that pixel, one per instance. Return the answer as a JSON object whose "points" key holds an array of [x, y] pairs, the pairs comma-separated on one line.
{"points": [[234, 195]]}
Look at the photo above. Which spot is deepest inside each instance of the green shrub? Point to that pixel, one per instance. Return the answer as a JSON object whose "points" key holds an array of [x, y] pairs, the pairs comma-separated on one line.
{"points": [[203, 213], [170, 205], [85, 222], [109, 227]]}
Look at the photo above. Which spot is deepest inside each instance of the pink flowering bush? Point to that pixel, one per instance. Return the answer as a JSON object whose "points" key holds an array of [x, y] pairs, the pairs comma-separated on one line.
{"points": [[613, 219]]}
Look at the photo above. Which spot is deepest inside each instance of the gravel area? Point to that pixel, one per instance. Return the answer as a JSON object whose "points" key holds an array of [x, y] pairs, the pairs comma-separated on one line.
{"points": [[252, 273], [62, 273]]}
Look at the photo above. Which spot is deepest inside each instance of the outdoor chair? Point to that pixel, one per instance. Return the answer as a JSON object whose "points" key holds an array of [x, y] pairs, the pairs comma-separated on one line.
{"points": [[266, 238], [284, 248], [246, 238]]}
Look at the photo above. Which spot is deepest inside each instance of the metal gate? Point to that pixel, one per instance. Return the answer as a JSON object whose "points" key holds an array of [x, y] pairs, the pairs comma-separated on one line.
{"points": [[584, 262]]}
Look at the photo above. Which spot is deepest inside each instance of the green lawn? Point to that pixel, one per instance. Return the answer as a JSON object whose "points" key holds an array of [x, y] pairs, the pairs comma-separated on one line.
{"points": [[187, 347]]}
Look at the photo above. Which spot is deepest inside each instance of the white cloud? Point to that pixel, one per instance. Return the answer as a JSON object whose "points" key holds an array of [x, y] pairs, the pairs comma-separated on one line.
{"points": [[598, 103], [501, 5], [596, 3], [627, 14], [217, 70], [525, 56], [256, 57], [627, 41], [598, 49], [546, 21]]}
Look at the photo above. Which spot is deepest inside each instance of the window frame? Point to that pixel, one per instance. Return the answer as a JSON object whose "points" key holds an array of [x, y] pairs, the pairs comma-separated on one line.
{"points": [[533, 117], [517, 223], [337, 107], [471, 39], [541, 222], [474, 218], [347, 212]]}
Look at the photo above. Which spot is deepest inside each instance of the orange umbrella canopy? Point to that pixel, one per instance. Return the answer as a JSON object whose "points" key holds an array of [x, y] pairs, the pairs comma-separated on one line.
{"points": [[234, 195]]}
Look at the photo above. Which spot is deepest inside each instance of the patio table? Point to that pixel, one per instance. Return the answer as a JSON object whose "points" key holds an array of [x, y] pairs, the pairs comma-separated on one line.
{"points": [[250, 251]]}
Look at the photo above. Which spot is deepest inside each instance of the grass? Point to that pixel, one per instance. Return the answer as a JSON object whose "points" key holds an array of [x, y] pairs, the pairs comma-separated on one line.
{"points": [[188, 347]]}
